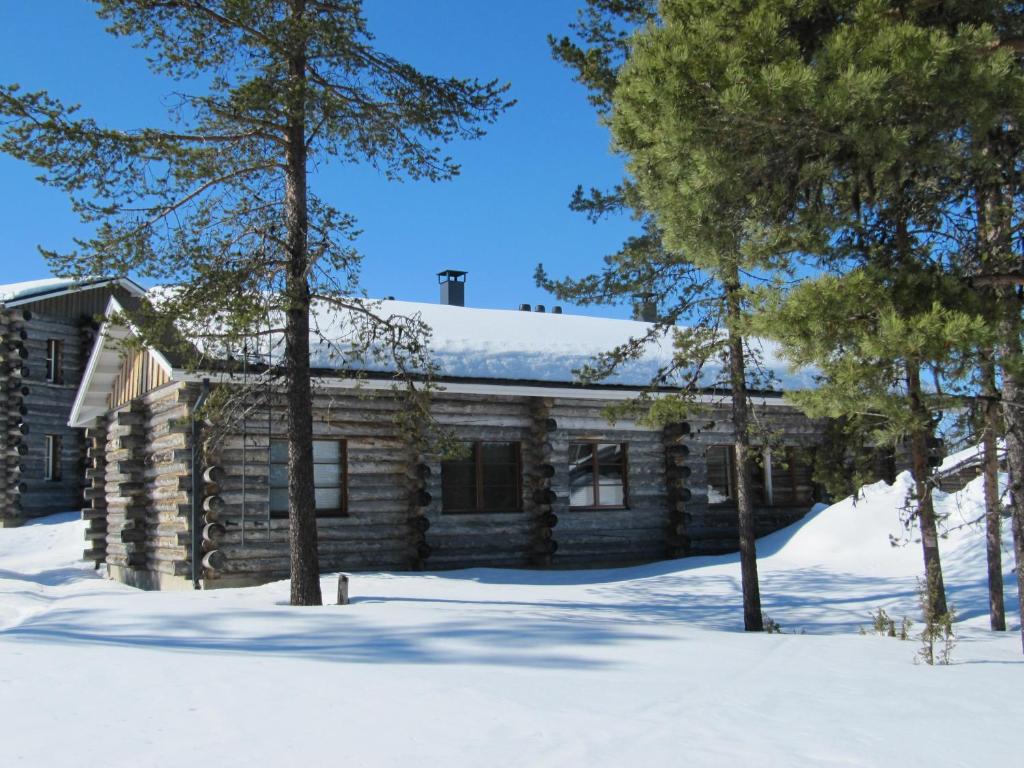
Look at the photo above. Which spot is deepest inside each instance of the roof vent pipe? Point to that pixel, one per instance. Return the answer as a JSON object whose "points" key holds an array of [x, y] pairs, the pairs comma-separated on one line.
{"points": [[539, 308], [524, 307], [556, 309], [453, 287]]}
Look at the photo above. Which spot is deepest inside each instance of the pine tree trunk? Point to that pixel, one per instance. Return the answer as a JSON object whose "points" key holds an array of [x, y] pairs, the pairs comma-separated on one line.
{"points": [[995, 218], [1009, 307], [752, 617], [993, 534], [305, 567], [922, 490]]}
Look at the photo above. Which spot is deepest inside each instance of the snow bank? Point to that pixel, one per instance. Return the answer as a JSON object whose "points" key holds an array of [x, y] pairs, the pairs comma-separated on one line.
{"points": [[642, 666]]}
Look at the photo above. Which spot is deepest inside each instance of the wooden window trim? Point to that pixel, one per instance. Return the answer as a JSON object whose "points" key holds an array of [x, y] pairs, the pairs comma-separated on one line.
{"points": [[478, 484], [54, 361], [596, 475], [343, 496], [52, 464], [730, 475]]}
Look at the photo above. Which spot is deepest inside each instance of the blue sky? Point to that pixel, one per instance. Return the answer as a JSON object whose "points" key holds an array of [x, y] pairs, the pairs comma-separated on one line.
{"points": [[504, 214]]}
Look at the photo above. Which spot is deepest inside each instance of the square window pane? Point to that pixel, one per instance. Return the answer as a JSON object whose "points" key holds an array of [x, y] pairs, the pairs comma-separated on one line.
{"points": [[461, 473], [326, 450], [498, 453], [609, 453], [279, 450], [278, 475], [501, 498], [328, 498], [580, 454], [279, 500], [612, 495], [458, 498], [581, 494], [327, 475], [500, 474]]}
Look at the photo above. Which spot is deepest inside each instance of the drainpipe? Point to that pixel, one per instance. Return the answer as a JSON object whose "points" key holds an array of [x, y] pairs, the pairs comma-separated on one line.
{"points": [[197, 488]]}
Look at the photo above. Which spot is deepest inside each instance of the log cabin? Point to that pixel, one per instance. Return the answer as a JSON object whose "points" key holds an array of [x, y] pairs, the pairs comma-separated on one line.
{"points": [[46, 332], [540, 477]]}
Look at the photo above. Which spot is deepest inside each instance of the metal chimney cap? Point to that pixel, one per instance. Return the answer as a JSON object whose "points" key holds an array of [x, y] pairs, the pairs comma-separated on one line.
{"points": [[451, 275]]}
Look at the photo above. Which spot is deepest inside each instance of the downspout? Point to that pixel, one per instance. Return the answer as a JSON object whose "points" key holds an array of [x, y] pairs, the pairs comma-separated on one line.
{"points": [[197, 487]]}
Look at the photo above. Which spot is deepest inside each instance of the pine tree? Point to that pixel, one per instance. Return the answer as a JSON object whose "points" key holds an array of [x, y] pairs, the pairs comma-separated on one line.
{"points": [[662, 76], [221, 205]]}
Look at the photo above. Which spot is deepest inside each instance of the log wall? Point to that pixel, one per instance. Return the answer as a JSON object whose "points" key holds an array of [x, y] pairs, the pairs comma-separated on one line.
{"points": [[43, 408], [712, 529], [395, 518], [139, 496], [376, 533]]}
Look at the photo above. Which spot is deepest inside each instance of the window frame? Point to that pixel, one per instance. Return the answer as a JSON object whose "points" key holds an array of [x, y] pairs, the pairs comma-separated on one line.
{"points": [[766, 488], [55, 361], [478, 485], [341, 511], [52, 469], [596, 475]]}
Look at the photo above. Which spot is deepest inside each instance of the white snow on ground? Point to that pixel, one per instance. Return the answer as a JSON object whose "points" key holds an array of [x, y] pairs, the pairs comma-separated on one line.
{"points": [[636, 667]]}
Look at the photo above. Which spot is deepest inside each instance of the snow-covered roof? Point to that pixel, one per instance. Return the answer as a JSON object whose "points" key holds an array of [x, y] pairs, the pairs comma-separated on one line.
{"points": [[468, 342], [480, 350], [13, 294]]}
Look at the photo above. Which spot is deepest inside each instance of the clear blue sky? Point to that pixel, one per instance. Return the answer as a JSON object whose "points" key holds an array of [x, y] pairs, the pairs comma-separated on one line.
{"points": [[506, 212]]}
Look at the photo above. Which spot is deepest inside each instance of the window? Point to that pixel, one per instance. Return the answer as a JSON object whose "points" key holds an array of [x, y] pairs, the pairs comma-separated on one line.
{"points": [[485, 479], [597, 474], [55, 361], [51, 465], [329, 478], [779, 478], [721, 474]]}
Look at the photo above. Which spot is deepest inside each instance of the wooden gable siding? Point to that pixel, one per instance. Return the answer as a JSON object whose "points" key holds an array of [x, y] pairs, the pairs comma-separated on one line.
{"points": [[140, 373], [75, 305]]}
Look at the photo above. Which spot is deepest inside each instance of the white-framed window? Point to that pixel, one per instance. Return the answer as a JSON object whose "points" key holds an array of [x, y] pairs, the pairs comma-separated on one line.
{"points": [[51, 459], [55, 361], [330, 476]]}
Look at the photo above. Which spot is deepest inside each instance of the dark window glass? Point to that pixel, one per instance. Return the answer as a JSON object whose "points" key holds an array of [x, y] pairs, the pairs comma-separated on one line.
{"points": [[487, 478], [597, 475], [721, 475], [329, 478], [792, 482]]}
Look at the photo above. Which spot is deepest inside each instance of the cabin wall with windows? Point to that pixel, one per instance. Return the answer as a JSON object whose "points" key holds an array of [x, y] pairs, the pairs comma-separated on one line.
{"points": [[523, 491], [605, 535], [711, 515], [47, 476], [373, 531]]}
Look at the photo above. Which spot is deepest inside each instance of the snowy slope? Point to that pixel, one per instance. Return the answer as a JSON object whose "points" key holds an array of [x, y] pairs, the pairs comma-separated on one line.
{"points": [[643, 666]]}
